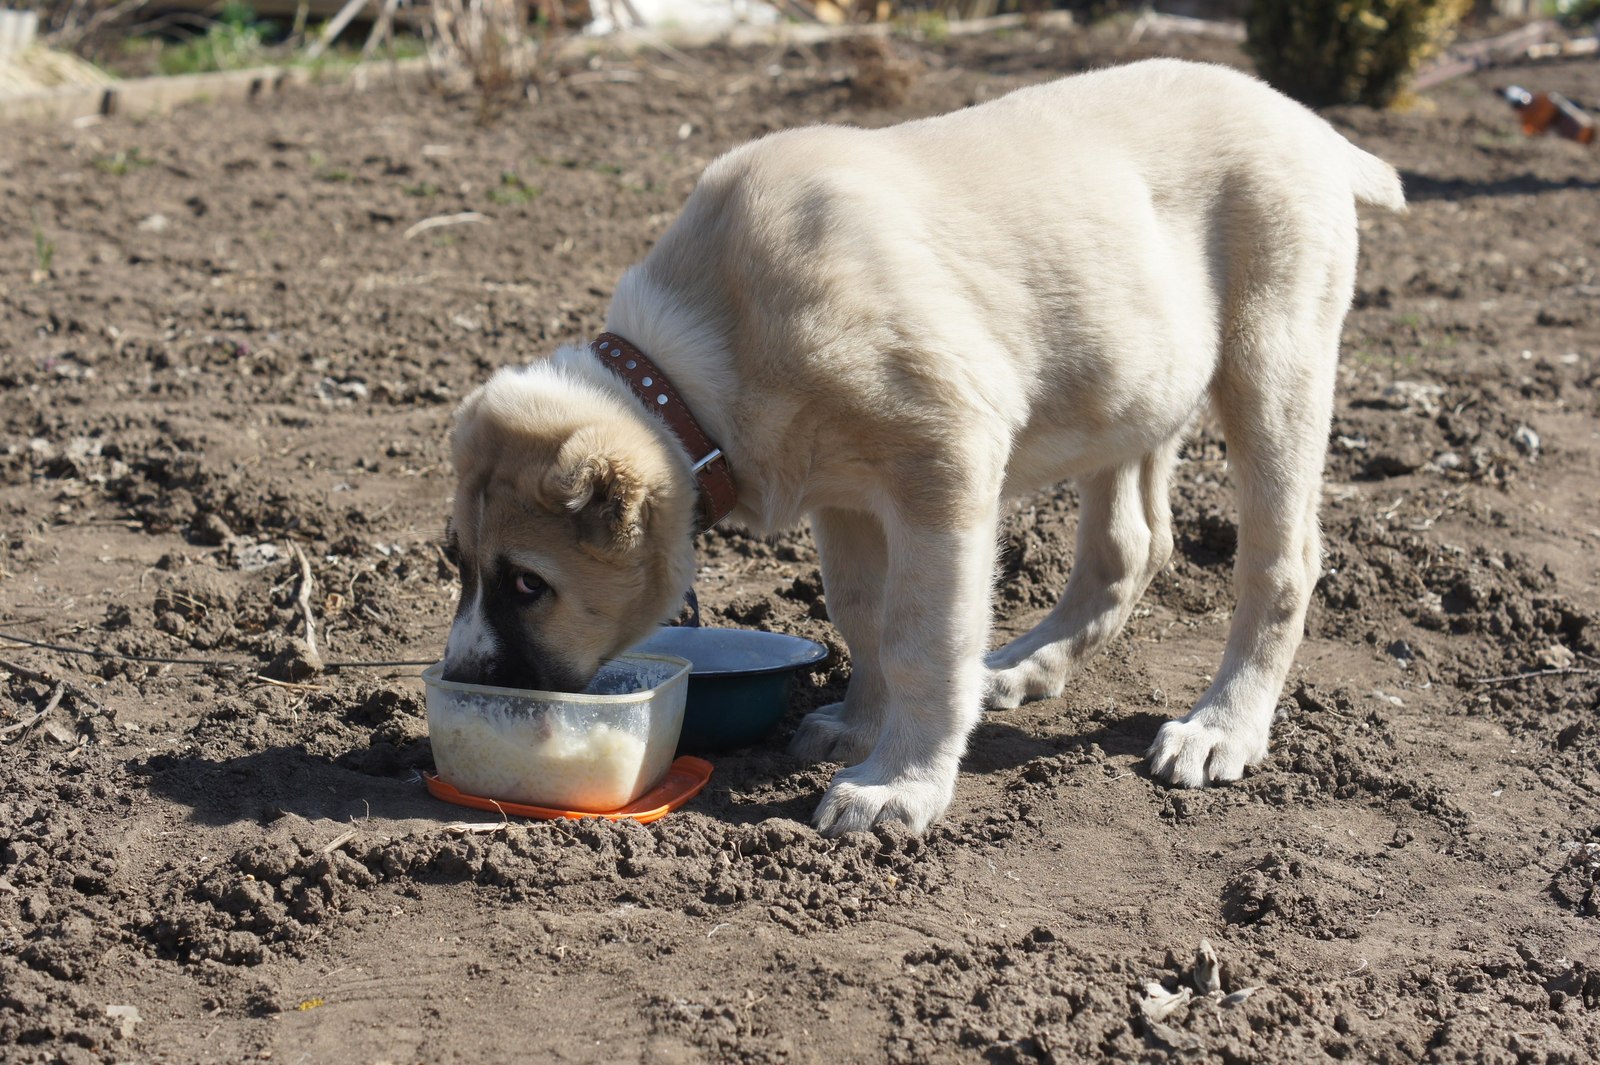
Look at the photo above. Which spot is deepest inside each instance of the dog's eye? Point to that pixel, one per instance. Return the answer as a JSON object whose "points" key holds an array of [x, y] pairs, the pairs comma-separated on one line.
{"points": [[529, 585]]}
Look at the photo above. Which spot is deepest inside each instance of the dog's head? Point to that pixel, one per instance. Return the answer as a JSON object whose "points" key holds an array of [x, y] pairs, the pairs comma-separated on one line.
{"points": [[571, 528]]}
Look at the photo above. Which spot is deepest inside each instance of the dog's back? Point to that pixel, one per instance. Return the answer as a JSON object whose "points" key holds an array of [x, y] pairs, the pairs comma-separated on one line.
{"points": [[1166, 117]]}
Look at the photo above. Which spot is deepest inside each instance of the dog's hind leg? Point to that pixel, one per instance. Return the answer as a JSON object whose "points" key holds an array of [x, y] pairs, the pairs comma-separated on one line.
{"points": [[854, 563], [1274, 396], [1124, 538], [936, 624]]}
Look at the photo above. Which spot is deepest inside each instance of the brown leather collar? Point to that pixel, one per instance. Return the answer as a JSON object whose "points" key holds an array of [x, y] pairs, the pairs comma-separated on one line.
{"points": [[717, 493]]}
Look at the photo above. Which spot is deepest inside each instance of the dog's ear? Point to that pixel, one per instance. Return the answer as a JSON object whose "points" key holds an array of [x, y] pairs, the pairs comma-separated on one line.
{"points": [[609, 495]]}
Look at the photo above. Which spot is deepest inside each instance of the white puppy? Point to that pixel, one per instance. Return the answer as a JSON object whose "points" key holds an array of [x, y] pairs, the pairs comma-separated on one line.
{"points": [[893, 331]]}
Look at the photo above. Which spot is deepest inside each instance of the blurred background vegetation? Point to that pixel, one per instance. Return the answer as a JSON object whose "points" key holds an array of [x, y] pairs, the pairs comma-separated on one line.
{"points": [[1348, 51], [1320, 51], [135, 37]]}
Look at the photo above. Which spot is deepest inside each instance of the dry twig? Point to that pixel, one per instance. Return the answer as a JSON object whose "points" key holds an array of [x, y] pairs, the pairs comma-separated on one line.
{"points": [[305, 599], [25, 673], [51, 704], [156, 659], [338, 841], [1567, 671], [335, 26], [443, 220], [78, 694], [213, 663], [476, 828], [291, 684], [382, 29]]}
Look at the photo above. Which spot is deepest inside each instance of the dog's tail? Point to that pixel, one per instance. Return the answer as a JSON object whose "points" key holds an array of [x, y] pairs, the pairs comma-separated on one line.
{"points": [[1374, 181]]}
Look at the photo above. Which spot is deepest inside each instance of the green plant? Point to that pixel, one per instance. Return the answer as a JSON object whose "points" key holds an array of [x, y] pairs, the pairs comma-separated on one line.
{"points": [[1394, 361], [1576, 12], [422, 190], [44, 249], [512, 189], [930, 26], [235, 41], [341, 57], [123, 162], [1325, 52]]}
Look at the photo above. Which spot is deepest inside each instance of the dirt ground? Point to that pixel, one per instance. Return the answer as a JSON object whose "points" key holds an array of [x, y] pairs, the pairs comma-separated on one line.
{"points": [[220, 344]]}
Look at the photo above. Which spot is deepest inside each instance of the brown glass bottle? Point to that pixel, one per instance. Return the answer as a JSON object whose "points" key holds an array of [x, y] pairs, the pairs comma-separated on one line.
{"points": [[1541, 112]]}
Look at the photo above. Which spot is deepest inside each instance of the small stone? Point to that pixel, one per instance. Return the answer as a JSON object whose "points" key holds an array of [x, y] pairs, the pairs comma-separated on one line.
{"points": [[1415, 396], [209, 529], [1556, 656], [1207, 969], [1158, 1003], [126, 1017], [250, 557], [334, 392], [1239, 996], [155, 223], [59, 731], [1527, 440], [1395, 461]]}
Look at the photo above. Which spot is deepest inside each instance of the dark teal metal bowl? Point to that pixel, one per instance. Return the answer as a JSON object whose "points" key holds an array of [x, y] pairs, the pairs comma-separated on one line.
{"points": [[738, 681]]}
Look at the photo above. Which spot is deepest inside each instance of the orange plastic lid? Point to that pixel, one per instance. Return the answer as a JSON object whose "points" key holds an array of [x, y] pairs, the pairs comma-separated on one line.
{"points": [[684, 779]]}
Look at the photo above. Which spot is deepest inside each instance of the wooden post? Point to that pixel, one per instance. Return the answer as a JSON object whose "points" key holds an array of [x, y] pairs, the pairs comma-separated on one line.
{"points": [[335, 27], [382, 30]]}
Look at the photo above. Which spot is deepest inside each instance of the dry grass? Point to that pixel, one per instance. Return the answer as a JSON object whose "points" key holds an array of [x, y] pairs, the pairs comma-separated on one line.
{"points": [[482, 46], [883, 74]]}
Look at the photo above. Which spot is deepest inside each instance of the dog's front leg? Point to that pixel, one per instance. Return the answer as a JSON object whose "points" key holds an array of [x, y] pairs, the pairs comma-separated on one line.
{"points": [[935, 630], [854, 567]]}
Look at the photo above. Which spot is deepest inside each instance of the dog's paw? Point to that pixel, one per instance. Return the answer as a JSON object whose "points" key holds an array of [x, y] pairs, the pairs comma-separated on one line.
{"points": [[827, 735], [1193, 753], [860, 797], [1024, 682]]}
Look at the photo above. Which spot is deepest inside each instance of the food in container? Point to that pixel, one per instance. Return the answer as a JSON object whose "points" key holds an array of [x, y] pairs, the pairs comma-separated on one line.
{"points": [[597, 750]]}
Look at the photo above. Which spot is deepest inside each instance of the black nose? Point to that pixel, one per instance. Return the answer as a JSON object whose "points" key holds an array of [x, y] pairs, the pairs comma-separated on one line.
{"points": [[494, 674], [458, 674]]}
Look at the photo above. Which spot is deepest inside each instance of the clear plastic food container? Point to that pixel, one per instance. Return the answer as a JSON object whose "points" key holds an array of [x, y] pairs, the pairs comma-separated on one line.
{"points": [[597, 750]]}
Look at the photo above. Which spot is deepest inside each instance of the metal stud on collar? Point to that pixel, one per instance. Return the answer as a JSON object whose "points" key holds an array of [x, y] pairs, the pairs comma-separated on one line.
{"points": [[713, 477]]}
